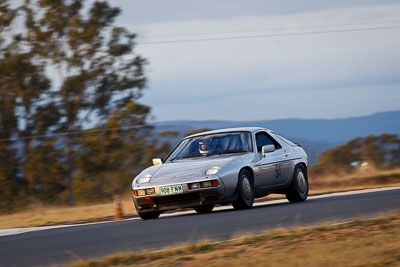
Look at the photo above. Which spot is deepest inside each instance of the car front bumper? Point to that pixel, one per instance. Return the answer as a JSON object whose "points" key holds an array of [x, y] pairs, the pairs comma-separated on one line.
{"points": [[186, 199]]}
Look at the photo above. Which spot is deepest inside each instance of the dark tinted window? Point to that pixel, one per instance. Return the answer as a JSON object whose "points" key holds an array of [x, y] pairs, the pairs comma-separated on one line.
{"points": [[264, 139]]}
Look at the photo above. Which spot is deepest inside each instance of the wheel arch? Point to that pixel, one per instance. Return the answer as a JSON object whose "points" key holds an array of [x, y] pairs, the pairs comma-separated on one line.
{"points": [[293, 192], [250, 170], [303, 166], [241, 201], [298, 164]]}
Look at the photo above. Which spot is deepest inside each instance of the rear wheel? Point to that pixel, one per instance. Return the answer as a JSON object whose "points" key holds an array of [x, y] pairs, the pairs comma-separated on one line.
{"points": [[298, 190], [245, 192], [204, 208], [149, 215]]}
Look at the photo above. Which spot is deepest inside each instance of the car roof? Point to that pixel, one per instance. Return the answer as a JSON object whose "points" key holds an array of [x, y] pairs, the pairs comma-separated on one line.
{"points": [[226, 130]]}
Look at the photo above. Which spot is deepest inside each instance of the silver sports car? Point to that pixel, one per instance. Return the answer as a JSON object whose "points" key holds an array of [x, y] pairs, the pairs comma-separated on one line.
{"points": [[229, 166]]}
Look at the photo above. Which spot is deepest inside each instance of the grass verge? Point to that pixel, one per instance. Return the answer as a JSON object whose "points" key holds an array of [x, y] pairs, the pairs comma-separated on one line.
{"points": [[365, 242], [39, 214]]}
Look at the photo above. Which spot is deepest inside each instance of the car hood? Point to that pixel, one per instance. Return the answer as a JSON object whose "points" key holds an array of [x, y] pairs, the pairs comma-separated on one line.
{"points": [[187, 169], [183, 170]]}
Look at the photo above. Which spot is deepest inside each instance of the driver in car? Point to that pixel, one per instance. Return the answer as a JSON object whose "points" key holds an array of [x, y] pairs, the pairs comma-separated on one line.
{"points": [[205, 146]]}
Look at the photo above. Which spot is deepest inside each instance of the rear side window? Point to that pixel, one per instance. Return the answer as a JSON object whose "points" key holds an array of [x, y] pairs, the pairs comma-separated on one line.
{"points": [[285, 140]]}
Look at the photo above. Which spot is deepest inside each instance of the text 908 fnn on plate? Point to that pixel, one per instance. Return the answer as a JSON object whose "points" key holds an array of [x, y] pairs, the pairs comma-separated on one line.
{"points": [[173, 189]]}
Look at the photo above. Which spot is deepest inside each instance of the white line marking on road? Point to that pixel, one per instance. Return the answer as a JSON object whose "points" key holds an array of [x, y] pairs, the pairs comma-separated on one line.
{"points": [[16, 231]]}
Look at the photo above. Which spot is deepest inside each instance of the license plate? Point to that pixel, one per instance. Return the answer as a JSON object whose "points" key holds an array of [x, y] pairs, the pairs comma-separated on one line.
{"points": [[173, 189]]}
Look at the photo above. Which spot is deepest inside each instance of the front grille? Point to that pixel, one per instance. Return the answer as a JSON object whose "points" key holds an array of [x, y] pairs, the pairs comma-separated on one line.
{"points": [[177, 200]]}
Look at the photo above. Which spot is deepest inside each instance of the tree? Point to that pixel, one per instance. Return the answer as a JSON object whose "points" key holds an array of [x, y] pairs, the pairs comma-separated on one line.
{"points": [[111, 155], [93, 61], [376, 151], [69, 84], [45, 172], [27, 109], [9, 186]]}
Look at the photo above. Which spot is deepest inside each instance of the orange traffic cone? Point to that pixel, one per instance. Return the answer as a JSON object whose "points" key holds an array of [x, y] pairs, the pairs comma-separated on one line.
{"points": [[118, 208]]}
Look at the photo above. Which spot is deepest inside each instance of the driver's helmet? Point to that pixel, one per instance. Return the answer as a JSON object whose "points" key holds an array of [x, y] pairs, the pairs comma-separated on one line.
{"points": [[205, 146]]}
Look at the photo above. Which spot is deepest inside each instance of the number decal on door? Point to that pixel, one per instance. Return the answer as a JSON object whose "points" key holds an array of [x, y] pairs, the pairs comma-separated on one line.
{"points": [[278, 172]]}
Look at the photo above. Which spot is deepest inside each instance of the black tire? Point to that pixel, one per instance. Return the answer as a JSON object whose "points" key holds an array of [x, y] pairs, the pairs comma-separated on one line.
{"points": [[298, 190], [204, 208], [245, 192], [149, 215]]}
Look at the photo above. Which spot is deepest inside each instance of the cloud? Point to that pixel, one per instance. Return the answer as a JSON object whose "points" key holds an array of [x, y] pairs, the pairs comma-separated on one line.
{"points": [[321, 75], [140, 12]]}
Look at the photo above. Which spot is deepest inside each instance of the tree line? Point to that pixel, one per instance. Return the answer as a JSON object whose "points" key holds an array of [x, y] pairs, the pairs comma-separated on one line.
{"points": [[71, 126], [360, 154]]}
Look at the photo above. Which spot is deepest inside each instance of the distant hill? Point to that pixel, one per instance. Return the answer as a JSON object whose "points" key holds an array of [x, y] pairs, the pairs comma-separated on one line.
{"points": [[315, 135]]}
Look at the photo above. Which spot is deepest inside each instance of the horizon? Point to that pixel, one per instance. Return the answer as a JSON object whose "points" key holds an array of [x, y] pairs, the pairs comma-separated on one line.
{"points": [[327, 119]]}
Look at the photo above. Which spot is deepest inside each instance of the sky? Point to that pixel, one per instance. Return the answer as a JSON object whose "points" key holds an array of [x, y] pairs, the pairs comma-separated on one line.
{"points": [[273, 60]]}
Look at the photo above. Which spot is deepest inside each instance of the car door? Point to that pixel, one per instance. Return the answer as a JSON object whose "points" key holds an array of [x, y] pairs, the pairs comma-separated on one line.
{"points": [[273, 168], [287, 163]]}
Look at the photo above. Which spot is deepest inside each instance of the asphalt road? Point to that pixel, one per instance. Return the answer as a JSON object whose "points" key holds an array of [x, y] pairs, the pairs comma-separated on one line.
{"points": [[68, 244]]}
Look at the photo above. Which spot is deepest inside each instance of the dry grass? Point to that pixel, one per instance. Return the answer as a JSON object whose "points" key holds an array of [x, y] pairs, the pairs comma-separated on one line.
{"points": [[371, 242], [356, 181], [362, 179], [39, 214]]}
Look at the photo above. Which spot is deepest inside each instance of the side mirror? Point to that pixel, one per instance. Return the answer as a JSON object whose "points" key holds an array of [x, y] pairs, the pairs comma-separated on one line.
{"points": [[267, 149], [157, 161]]}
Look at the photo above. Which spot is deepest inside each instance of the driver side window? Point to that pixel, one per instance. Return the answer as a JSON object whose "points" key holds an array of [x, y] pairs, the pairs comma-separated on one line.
{"points": [[263, 139]]}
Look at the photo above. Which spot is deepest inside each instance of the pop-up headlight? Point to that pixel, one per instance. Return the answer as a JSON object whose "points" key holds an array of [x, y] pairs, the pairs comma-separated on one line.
{"points": [[212, 170], [144, 179]]}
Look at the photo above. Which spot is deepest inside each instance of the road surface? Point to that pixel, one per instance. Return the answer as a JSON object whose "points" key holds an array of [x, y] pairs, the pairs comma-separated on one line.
{"points": [[66, 244]]}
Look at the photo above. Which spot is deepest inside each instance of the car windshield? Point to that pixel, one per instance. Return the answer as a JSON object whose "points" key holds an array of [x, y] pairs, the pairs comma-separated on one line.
{"points": [[213, 144]]}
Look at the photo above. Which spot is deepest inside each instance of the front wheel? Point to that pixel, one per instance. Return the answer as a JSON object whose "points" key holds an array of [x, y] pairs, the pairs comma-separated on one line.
{"points": [[204, 209], [149, 215], [298, 190], [245, 192]]}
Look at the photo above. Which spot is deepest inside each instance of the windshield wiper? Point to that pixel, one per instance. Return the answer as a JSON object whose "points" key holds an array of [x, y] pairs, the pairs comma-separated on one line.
{"points": [[192, 156], [232, 151]]}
